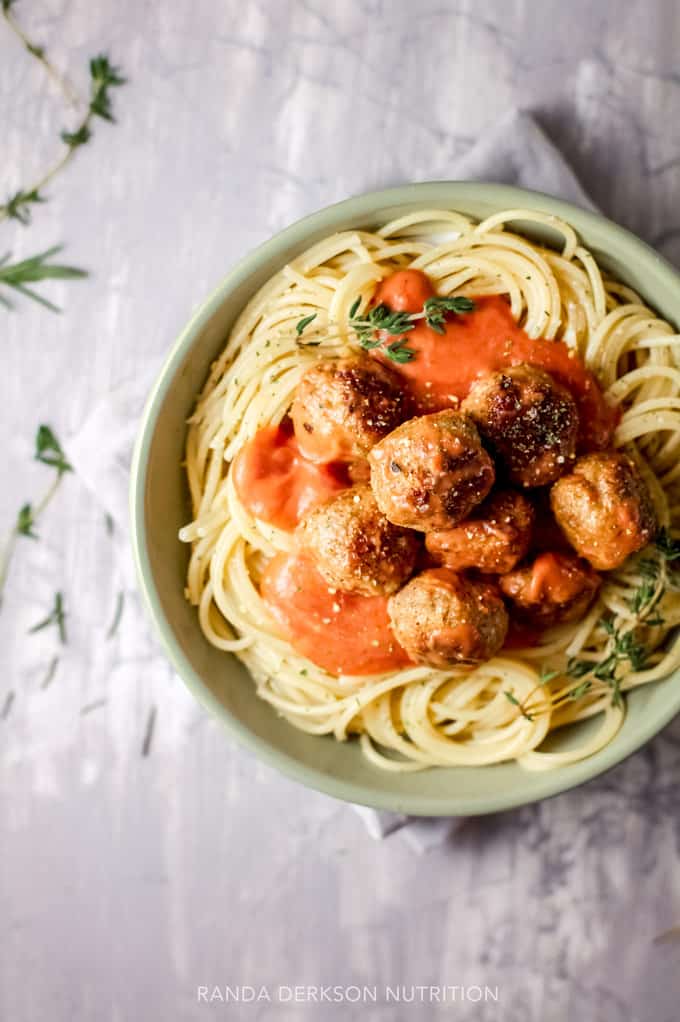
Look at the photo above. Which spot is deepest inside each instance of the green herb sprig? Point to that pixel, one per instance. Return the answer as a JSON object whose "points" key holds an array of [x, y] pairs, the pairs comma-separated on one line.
{"points": [[48, 451], [435, 310], [18, 276], [375, 327], [658, 570], [104, 76]]}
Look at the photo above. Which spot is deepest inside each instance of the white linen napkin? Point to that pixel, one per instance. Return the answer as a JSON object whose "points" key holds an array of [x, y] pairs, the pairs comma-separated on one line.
{"points": [[515, 152]]}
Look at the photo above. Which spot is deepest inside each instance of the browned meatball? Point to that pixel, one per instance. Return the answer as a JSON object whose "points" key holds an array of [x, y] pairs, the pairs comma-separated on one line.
{"points": [[550, 588], [442, 618], [343, 406], [604, 509], [530, 420], [493, 540], [354, 546], [431, 471]]}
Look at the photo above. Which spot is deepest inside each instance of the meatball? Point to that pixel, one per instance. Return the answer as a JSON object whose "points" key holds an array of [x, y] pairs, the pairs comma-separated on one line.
{"points": [[550, 588], [604, 509], [342, 407], [442, 618], [529, 419], [493, 540], [431, 471], [354, 546]]}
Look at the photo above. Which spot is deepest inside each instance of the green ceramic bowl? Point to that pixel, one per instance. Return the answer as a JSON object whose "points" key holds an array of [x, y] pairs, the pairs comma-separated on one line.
{"points": [[160, 506]]}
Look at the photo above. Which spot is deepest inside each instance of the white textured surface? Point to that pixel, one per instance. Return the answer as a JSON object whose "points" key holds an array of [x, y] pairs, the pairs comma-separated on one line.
{"points": [[128, 881]]}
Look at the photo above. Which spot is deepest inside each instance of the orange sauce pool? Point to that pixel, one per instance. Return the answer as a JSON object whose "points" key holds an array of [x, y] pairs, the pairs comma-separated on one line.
{"points": [[341, 632], [445, 366], [277, 484]]}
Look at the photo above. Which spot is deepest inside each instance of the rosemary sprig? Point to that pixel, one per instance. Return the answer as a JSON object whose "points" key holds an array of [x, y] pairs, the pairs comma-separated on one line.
{"points": [[49, 452], [32, 270], [57, 616]]}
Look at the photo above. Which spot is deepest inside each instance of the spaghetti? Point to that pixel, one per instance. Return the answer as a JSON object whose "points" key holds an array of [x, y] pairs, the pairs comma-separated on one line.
{"points": [[416, 717]]}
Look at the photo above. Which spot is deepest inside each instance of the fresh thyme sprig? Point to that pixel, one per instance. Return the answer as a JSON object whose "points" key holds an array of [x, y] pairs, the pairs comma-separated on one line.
{"points": [[374, 327], [49, 452], [624, 645], [379, 318], [103, 77]]}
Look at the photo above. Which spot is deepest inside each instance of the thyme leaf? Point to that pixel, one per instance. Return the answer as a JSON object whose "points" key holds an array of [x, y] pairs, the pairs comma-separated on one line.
{"points": [[436, 308], [48, 450], [18, 206], [25, 522], [379, 318], [104, 76], [399, 353]]}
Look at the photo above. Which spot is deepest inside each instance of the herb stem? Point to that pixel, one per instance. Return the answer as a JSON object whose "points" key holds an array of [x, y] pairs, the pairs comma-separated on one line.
{"points": [[48, 451], [39, 53], [103, 77], [10, 542]]}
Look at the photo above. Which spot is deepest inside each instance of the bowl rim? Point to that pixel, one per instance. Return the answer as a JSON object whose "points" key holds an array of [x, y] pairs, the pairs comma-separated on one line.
{"points": [[367, 203]]}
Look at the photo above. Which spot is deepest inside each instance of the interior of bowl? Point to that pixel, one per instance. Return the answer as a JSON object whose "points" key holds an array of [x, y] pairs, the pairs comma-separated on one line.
{"points": [[160, 507]]}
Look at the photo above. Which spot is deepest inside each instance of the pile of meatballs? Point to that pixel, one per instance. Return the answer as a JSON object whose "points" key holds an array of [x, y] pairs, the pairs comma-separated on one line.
{"points": [[450, 511]]}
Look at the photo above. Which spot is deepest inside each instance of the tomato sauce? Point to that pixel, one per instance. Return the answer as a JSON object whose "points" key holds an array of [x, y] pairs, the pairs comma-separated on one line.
{"points": [[277, 484], [341, 632], [404, 291], [445, 366]]}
